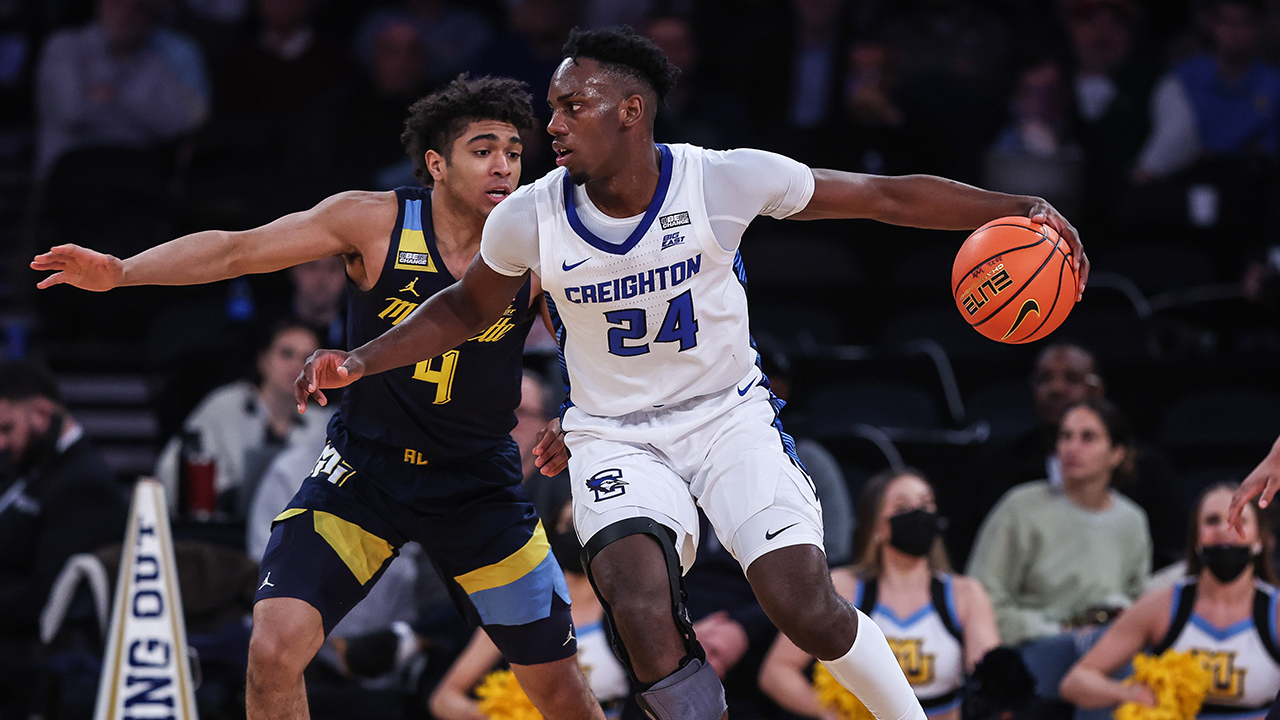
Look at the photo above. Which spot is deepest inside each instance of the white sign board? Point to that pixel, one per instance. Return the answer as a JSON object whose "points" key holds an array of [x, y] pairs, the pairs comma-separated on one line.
{"points": [[146, 674]]}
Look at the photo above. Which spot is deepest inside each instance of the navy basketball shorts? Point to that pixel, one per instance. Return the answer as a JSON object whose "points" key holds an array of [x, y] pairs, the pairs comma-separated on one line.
{"points": [[364, 500]]}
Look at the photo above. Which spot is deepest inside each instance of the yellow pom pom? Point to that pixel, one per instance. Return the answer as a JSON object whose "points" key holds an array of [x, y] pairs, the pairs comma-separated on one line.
{"points": [[502, 698], [1178, 679], [832, 694]]}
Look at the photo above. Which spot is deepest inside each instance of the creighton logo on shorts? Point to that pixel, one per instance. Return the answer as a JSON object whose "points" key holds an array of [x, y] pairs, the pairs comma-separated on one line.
{"points": [[607, 484]]}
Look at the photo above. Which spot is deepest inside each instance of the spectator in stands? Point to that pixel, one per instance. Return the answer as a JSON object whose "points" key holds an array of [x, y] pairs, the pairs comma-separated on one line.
{"points": [[452, 34], [697, 111], [286, 66], [1224, 103], [1112, 83], [1050, 553], [1055, 558], [1223, 608], [320, 299], [357, 128], [1063, 376], [121, 80], [940, 624], [241, 426], [953, 62], [57, 498]]}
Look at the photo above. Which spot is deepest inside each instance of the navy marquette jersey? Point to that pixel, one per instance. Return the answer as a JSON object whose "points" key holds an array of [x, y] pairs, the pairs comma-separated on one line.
{"points": [[447, 407]]}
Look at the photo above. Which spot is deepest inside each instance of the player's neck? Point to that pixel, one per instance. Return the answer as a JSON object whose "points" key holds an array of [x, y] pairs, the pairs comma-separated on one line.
{"points": [[628, 191], [457, 226]]}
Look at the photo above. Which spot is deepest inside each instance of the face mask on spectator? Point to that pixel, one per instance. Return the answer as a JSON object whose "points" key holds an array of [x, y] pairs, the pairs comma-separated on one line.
{"points": [[1226, 562], [914, 531]]}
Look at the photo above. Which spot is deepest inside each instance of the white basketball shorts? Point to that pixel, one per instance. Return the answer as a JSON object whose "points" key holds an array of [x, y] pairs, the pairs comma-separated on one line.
{"points": [[722, 452]]}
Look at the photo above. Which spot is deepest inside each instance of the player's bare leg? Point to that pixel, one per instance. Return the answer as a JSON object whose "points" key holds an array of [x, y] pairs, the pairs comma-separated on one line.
{"points": [[793, 585], [559, 690], [631, 576], [287, 633]]}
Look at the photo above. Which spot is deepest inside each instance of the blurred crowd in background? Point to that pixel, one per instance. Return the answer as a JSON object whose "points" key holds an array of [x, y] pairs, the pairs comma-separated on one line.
{"points": [[1154, 125]]}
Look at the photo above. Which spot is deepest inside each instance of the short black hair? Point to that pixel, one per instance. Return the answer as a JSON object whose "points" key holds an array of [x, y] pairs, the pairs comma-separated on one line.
{"points": [[27, 379], [622, 50], [436, 120]]}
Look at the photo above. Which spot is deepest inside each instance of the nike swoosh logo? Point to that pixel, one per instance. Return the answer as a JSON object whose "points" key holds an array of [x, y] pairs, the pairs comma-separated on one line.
{"points": [[771, 535], [745, 390], [1028, 306], [567, 267]]}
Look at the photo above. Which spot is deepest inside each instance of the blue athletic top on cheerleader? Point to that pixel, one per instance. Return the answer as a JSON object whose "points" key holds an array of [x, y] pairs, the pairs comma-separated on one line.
{"points": [[1244, 658]]}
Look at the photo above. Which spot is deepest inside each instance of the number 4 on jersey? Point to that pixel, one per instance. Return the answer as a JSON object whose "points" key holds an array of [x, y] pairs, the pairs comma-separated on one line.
{"points": [[679, 326]]}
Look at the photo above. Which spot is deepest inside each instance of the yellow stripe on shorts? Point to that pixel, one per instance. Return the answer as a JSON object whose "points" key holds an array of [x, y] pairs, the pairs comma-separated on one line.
{"points": [[512, 568], [363, 552]]}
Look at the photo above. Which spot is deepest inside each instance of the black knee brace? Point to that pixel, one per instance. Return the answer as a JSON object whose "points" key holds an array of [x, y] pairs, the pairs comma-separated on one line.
{"points": [[666, 539]]}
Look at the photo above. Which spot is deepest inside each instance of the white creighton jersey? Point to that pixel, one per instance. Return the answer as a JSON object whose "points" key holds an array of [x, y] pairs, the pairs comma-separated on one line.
{"points": [[650, 310]]}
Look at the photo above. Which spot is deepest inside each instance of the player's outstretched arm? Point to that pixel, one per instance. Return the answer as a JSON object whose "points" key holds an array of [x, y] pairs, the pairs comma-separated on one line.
{"points": [[1262, 483], [442, 323], [334, 226], [928, 201]]}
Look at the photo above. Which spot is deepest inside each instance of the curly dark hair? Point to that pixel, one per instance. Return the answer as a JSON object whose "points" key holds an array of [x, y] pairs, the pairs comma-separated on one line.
{"points": [[622, 50], [436, 120]]}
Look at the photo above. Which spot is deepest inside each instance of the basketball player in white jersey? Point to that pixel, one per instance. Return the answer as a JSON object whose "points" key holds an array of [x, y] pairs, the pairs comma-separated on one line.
{"points": [[636, 245]]}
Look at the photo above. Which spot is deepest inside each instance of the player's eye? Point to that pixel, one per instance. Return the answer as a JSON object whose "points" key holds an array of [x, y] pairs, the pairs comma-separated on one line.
{"points": [[482, 153]]}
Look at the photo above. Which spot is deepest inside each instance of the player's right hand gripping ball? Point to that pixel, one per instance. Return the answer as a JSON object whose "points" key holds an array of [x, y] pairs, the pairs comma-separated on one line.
{"points": [[1014, 280]]}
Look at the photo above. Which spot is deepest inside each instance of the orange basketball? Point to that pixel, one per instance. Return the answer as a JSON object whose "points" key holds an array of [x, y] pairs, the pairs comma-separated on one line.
{"points": [[1013, 280]]}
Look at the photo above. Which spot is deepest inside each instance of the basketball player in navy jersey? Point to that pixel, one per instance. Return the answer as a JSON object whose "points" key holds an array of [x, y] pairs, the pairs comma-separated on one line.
{"points": [[420, 454], [636, 245]]}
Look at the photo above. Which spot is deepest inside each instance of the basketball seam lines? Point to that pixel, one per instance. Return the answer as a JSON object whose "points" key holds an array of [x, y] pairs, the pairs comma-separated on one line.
{"points": [[1034, 275], [1056, 296], [1043, 238]]}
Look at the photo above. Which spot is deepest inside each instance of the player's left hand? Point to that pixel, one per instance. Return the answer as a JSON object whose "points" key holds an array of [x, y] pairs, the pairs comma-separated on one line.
{"points": [[325, 369], [1045, 214], [550, 453]]}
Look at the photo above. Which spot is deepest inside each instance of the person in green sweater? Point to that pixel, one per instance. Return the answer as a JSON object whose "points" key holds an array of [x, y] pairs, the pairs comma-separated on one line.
{"points": [[1053, 558]]}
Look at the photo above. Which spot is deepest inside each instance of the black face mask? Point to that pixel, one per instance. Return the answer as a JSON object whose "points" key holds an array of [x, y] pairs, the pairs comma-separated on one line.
{"points": [[914, 531], [567, 551], [1226, 562]]}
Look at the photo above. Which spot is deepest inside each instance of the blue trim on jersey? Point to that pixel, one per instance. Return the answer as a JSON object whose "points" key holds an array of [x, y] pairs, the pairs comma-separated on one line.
{"points": [[557, 326], [413, 215], [949, 592], [907, 621], [659, 197], [857, 593], [1218, 633], [525, 600]]}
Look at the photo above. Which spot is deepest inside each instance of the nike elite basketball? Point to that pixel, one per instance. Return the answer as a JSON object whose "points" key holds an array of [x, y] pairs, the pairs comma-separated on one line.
{"points": [[1014, 280]]}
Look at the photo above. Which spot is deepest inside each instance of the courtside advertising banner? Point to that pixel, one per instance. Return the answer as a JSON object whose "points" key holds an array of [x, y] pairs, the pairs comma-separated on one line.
{"points": [[146, 674]]}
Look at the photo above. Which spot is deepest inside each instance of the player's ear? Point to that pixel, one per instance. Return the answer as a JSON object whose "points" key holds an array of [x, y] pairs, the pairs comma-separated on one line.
{"points": [[436, 165], [631, 111]]}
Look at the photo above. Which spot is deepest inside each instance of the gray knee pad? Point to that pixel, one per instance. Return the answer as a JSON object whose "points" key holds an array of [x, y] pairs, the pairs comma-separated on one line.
{"points": [[691, 693], [664, 537]]}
